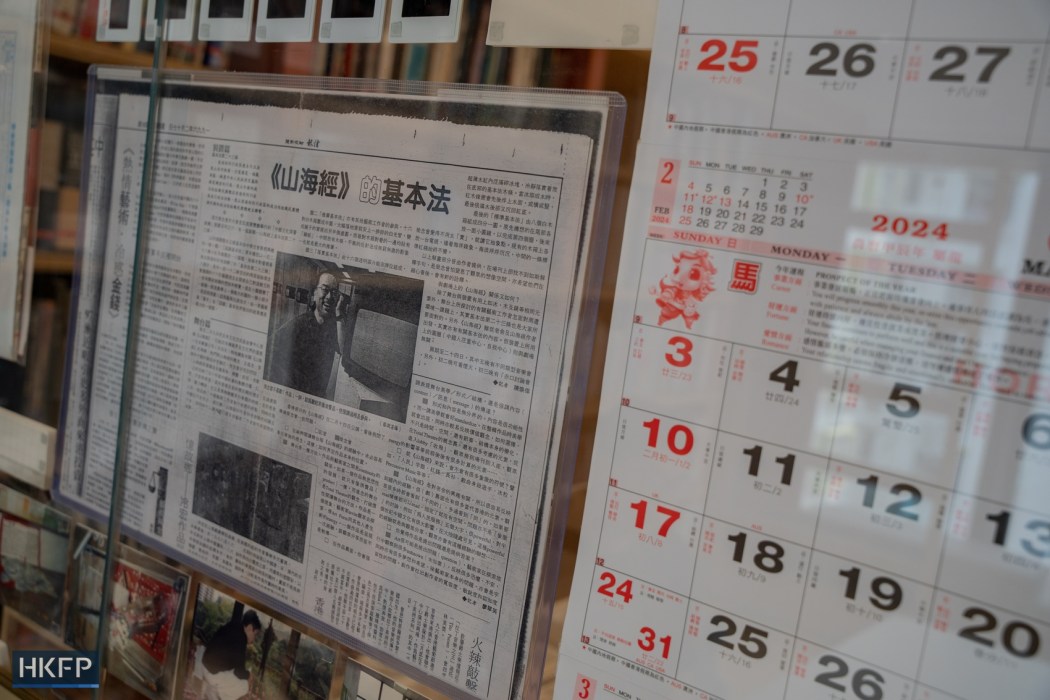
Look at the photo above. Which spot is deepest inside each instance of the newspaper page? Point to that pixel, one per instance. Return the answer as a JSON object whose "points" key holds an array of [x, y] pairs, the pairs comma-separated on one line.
{"points": [[348, 368], [76, 398], [820, 466], [18, 27]]}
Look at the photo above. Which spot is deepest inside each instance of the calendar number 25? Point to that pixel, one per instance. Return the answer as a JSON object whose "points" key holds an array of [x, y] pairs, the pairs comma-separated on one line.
{"points": [[742, 57]]}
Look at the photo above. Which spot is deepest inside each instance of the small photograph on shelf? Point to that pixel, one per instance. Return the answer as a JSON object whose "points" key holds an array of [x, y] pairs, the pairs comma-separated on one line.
{"points": [[34, 551], [177, 9], [425, 21], [146, 608], [119, 20], [226, 20], [179, 23], [285, 9], [363, 683], [353, 9], [426, 8], [238, 651], [353, 341], [253, 496], [358, 21], [226, 9], [285, 20]]}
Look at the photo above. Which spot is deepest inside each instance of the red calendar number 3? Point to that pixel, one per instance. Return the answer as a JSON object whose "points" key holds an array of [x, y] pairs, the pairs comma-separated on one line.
{"points": [[583, 687], [683, 351], [743, 58]]}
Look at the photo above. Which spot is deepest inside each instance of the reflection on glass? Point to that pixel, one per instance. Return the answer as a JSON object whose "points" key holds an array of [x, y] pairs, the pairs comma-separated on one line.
{"points": [[944, 193], [947, 398], [1016, 225]]}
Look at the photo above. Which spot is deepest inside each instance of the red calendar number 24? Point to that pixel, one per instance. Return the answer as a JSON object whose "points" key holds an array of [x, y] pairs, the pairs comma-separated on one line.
{"points": [[742, 55]]}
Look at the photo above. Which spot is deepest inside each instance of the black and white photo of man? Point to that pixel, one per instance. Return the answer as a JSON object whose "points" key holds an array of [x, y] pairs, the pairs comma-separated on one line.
{"points": [[344, 333], [303, 348]]}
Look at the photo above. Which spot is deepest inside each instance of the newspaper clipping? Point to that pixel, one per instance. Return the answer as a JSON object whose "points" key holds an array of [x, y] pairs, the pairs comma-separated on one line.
{"points": [[348, 365]]}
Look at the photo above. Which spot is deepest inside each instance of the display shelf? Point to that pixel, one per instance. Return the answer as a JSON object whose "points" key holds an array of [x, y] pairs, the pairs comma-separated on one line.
{"points": [[86, 51], [12, 620], [50, 262]]}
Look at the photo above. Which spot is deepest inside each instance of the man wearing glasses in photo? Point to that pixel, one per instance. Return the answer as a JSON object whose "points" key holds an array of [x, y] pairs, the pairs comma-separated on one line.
{"points": [[305, 346]]}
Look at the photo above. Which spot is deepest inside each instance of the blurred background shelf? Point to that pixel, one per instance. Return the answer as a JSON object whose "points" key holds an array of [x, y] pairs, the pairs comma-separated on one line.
{"points": [[51, 262]]}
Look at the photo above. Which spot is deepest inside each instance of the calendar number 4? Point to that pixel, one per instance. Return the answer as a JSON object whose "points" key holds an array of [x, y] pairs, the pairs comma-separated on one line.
{"points": [[786, 374]]}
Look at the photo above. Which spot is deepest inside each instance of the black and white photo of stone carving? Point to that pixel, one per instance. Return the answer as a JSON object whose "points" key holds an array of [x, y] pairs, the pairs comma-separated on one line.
{"points": [[252, 495]]}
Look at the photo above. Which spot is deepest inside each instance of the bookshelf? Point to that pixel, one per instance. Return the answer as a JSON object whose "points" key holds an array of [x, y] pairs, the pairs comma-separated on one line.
{"points": [[85, 52]]}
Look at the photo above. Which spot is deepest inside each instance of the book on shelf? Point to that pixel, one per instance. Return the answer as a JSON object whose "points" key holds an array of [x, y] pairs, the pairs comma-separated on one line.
{"points": [[524, 67], [214, 55], [355, 60], [386, 62], [337, 56], [49, 169], [367, 64], [303, 58], [494, 67], [191, 52], [42, 338], [59, 164], [87, 21], [472, 66], [414, 61], [444, 62], [64, 16], [49, 175], [42, 390]]}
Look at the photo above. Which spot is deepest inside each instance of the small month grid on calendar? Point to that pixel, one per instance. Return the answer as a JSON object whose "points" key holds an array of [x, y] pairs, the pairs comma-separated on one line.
{"points": [[822, 463]]}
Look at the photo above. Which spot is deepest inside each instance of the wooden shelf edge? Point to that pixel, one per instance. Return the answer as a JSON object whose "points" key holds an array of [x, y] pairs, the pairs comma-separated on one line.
{"points": [[87, 52]]}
